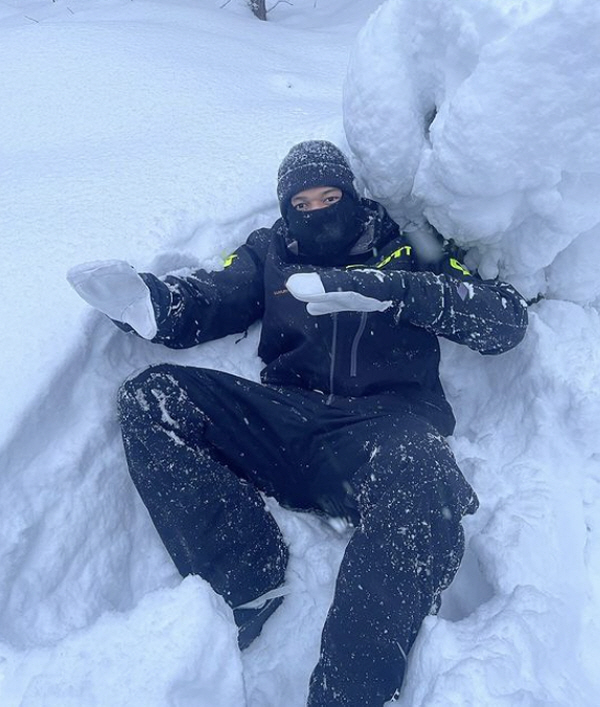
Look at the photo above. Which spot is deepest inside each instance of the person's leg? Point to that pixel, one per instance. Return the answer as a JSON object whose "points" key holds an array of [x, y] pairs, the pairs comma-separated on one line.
{"points": [[406, 549], [194, 439]]}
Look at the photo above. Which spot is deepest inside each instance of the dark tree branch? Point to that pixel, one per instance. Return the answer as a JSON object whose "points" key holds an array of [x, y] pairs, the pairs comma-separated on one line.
{"points": [[259, 8], [287, 2]]}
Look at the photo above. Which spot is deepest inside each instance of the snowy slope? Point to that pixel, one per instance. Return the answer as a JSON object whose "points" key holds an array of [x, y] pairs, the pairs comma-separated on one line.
{"points": [[128, 126], [152, 131]]}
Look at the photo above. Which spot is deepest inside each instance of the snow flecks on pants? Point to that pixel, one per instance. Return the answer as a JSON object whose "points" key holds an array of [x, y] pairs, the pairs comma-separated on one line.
{"points": [[202, 511], [203, 445], [405, 551]]}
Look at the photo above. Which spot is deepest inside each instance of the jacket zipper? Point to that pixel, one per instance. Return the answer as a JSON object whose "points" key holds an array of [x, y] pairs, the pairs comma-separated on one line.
{"points": [[333, 355], [354, 350]]}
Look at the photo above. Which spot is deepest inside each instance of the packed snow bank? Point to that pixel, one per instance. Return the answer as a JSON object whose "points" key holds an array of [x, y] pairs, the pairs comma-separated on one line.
{"points": [[485, 116], [190, 657], [527, 438]]}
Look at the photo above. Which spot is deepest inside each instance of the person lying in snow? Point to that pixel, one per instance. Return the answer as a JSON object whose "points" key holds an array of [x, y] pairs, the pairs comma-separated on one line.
{"points": [[349, 420]]}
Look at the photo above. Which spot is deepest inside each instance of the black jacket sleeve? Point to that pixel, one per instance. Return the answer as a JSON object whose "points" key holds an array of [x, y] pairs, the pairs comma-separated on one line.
{"points": [[208, 305], [489, 316]]}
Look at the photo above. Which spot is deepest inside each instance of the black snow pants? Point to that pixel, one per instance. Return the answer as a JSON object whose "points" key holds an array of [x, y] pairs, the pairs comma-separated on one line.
{"points": [[201, 445]]}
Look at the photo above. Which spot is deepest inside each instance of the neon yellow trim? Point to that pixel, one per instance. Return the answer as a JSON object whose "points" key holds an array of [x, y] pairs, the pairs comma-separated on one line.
{"points": [[229, 259], [457, 266], [405, 250]]}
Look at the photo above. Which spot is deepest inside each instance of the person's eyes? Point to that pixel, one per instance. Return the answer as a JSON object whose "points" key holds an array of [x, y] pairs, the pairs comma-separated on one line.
{"points": [[300, 207], [331, 199]]}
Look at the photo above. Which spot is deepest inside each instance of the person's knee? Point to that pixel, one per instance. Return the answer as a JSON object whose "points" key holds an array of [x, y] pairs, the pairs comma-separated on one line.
{"points": [[138, 392], [413, 468], [406, 446]]}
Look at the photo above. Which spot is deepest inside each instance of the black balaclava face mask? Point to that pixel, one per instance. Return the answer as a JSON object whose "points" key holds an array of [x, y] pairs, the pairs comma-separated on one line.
{"points": [[322, 236], [325, 236]]}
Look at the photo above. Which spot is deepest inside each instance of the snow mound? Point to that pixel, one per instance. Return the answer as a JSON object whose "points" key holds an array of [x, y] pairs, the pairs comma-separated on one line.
{"points": [[486, 115]]}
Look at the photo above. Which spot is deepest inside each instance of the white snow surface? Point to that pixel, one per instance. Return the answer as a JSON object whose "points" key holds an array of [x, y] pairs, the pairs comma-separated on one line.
{"points": [[151, 132]]}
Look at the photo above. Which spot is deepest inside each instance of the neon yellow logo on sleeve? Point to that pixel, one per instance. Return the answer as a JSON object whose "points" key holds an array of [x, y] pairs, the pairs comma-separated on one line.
{"points": [[229, 259], [457, 266], [405, 250]]}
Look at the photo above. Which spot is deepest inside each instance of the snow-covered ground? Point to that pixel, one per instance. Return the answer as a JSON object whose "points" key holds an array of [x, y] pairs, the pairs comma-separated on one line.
{"points": [[151, 132]]}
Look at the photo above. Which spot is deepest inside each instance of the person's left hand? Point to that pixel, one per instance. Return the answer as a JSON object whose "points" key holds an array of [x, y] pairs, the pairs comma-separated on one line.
{"points": [[309, 288]]}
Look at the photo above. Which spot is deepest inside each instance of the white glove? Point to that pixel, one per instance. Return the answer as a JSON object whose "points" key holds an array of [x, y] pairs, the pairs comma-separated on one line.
{"points": [[308, 287], [116, 289]]}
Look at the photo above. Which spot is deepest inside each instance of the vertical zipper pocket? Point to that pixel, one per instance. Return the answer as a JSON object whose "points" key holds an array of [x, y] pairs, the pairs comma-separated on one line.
{"points": [[354, 350], [333, 355]]}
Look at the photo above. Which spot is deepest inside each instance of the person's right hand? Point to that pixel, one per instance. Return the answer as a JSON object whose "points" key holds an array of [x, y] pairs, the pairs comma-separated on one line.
{"points": [[115, 288]]}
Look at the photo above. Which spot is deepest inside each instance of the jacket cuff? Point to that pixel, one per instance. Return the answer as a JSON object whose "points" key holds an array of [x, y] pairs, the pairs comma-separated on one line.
{"points": [[160, 296], [366, 281]]}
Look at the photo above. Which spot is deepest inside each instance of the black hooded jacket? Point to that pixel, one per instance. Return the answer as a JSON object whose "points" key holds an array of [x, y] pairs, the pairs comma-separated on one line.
{"points": [[392, 354]]}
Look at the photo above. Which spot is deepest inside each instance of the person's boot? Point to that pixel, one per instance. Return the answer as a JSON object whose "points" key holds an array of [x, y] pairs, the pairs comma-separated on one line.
{"points": [[250, 621]]}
